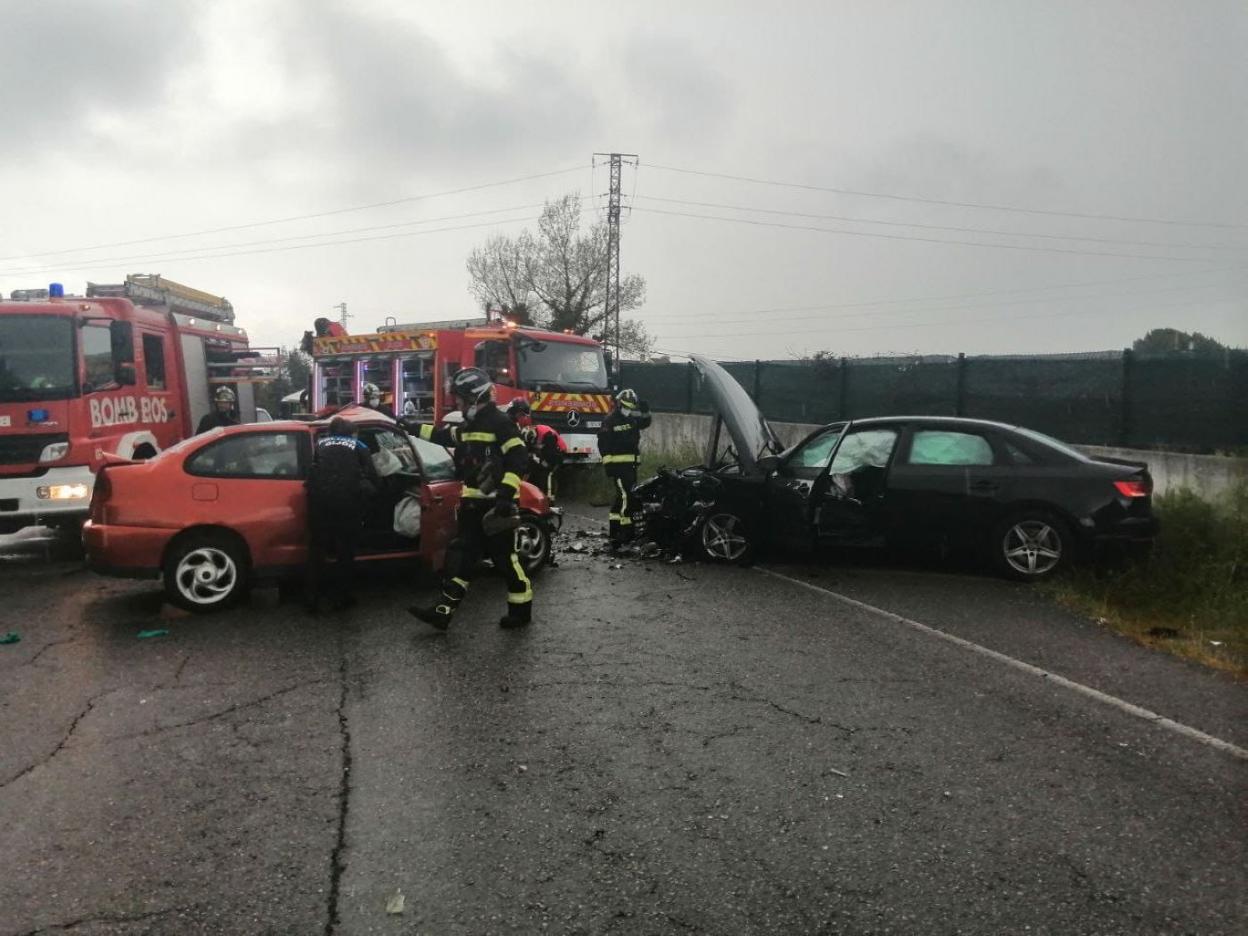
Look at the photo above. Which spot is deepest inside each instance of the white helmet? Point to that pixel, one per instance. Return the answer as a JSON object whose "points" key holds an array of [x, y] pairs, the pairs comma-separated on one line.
{"points": [[224, 395]]}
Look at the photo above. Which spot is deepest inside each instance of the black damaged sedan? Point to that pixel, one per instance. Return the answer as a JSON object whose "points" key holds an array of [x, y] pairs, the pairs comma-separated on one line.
{"points": [[1026, 502]]}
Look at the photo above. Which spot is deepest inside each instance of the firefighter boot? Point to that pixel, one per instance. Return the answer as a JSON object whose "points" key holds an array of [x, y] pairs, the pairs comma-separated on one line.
{"points": [[518, 615], [439, 616]]}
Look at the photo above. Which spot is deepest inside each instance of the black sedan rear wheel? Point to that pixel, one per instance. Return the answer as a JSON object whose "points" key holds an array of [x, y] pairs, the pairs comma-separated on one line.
{"points": [[1030, 545]]}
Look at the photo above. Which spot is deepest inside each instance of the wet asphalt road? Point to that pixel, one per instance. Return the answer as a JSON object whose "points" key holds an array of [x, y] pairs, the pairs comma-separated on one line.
{"points": [[669, 749]]}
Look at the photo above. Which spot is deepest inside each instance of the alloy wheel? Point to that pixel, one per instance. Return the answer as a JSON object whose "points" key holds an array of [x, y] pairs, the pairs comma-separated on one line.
{"points": [[723, 537], [530, 545], [1032, 547]]}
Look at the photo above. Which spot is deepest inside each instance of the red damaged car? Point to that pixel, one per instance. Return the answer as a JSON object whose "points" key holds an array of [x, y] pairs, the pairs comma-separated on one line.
{"points": [[220, 511]]}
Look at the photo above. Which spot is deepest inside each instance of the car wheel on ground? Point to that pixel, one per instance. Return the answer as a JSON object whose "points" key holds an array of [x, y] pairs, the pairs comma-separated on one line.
{"points": [[1030, 545], [724, 537], [205, 570], [532, 544]]}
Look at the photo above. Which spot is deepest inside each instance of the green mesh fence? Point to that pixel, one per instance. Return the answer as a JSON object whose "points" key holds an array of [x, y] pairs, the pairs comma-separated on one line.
{"points": [[902, 386], [1078, 399], [1178, 400]]}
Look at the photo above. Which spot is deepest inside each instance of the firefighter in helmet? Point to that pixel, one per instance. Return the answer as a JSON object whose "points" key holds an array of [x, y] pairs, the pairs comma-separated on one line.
{"points": [[490, 458], [371, 394], [619, 443], [223, 411], [546, 447]]}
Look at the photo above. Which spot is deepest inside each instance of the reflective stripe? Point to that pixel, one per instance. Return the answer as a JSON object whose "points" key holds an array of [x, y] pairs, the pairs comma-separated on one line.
{"points": [[462, 583], [470, 492], [426, 431], [511, 479], [477, 437], [625, 427], [525, 596], [620, 459], [511, 443]]}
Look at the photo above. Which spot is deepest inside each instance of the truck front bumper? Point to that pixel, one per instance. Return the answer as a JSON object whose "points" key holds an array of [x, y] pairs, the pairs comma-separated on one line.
{"points": [[57, 496]]}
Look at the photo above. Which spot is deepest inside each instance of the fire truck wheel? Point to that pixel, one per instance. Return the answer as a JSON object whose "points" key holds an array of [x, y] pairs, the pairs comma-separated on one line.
{"points": [[532, 544], [205, 570]]}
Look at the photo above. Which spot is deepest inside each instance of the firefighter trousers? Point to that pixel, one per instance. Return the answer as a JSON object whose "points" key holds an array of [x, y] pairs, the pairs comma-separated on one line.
{"points": [[465, 552], [622, 477]]}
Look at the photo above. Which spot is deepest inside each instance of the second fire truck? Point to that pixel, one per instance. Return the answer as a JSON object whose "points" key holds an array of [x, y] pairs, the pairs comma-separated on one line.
{"points": [[564, 377]]}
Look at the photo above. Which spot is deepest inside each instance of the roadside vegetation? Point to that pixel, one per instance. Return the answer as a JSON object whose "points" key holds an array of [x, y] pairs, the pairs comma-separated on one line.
{"points": [[589, 485], [1190, 597]]}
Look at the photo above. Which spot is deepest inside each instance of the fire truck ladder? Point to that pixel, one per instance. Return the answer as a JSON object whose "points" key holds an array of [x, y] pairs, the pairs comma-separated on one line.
{"points": [[246, 365], [151, 289]]}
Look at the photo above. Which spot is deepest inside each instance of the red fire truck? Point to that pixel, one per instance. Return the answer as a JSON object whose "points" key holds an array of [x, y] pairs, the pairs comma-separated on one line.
{"points": [[125, 371], [564, 377]]}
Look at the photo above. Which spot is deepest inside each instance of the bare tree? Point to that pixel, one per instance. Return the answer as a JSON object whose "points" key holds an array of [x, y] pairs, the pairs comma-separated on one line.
{"points": [[558, 276]]}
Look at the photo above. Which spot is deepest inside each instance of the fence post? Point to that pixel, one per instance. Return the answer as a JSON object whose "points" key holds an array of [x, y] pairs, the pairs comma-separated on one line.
{"points": [[1124, 427], [959, 405], [689, 387], [844, 414]]}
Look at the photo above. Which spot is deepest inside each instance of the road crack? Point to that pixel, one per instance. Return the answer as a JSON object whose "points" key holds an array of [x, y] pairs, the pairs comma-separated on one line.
{"points": [[337, 865], [85, 921], [90, 704], [236, 707], [736, 696]]}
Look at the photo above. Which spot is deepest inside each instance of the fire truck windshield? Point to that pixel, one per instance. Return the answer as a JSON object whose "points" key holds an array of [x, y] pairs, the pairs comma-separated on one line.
{"points": [[36, 358], [561, 365]]}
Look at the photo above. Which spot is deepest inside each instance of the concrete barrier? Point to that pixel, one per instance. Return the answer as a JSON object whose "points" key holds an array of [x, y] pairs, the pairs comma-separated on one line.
{"points": [[1210, 476]]}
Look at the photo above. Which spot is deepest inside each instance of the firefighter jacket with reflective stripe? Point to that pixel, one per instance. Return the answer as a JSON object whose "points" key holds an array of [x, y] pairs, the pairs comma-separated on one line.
{"points": [[550, 448], [342, 474], [490, 456], [619, 439]]}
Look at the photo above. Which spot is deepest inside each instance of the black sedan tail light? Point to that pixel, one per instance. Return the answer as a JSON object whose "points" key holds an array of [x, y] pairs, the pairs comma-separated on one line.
{"points": [[1137, 487]]}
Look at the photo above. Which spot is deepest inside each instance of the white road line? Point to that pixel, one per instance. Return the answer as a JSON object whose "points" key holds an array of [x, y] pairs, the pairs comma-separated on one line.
{"points": [[1120, 704]]}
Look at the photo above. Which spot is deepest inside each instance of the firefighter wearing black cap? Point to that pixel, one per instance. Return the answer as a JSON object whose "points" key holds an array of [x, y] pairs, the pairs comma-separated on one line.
{"points": [[340, 482], [490, 458], [619, 444]]}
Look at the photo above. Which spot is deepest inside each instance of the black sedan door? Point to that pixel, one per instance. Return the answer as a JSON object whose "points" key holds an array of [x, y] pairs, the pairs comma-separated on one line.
{"points": [[850, 498], [788, 506], [947, 484]]}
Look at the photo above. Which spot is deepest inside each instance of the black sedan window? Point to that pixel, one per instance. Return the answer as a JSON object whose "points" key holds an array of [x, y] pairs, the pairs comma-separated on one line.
{"points": [[944, 447], [865, 447], [816, 452]]}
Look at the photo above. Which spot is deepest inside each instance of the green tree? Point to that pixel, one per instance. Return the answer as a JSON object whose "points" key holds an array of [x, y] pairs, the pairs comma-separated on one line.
{"points": [[556, 277], [1171, 339]]}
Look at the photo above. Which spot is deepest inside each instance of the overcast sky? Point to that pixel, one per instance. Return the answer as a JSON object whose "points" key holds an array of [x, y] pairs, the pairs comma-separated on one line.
{"points": [[132, 120]]}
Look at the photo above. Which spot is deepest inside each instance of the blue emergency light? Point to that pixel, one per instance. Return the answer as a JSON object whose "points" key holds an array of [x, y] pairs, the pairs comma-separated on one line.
{"points": [[56, 291], [38, 415]]}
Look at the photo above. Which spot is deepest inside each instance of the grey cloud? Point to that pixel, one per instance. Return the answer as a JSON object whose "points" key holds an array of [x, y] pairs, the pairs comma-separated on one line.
{"points": [[400, 104], [681, 96], [62, 58]]}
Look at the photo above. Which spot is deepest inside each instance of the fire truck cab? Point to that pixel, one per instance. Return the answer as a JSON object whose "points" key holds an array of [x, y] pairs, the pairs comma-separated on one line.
{"points": [[564, 377], [123, 372]]}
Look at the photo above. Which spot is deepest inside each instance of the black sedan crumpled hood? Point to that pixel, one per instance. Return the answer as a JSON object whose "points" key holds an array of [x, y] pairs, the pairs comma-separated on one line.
{"points": [[752, 437]]}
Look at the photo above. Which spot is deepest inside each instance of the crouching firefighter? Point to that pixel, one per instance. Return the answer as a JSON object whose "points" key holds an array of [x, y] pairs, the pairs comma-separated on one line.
{"points": [[490, 457], [619, 443], [546, 447]]}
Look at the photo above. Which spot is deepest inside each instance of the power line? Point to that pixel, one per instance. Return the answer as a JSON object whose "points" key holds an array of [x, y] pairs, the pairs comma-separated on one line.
{"points": [[936, 324], [938, 201], [305, 217], [970, 295], [928, 240], [950, 308], [935, 227], [354, 240], [175, 254]]}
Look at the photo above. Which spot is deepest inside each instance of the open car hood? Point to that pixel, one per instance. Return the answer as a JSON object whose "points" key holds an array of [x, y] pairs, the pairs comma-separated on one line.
{"points": [[752, 437]]}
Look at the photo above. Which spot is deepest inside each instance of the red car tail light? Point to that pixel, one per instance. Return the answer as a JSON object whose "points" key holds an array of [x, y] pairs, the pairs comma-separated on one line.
{"points": [[1133, 488]]}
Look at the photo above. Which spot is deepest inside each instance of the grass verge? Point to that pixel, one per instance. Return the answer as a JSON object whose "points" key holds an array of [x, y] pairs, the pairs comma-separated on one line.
{"points": [[589, 484], [1190, 597]]}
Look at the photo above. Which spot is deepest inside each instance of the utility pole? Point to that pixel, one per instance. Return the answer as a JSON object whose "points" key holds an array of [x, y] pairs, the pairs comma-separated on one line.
{"points": [[343, 314], [612, 306]]}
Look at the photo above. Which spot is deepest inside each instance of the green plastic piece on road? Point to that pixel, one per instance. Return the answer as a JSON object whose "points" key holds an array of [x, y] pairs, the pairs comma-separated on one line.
{"points": [[143, 635], [10, 637]]}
